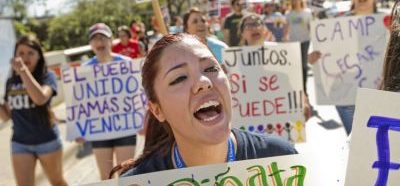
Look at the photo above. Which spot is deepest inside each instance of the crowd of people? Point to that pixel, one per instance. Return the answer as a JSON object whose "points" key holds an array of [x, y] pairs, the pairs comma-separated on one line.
{"points": [[189, 117]]}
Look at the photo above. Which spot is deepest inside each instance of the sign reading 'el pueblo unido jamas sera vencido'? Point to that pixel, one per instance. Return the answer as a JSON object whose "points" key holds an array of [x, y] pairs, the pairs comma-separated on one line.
{"points": [[352, 56], [104, 101], [267, 89]]}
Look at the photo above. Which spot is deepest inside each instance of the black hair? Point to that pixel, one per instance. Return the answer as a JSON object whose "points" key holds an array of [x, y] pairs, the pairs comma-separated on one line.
{"points": [[125, 29], [391, 68]]}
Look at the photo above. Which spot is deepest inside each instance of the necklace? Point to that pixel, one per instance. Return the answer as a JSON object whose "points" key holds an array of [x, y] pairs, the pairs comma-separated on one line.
{"points": [[179, 163]]}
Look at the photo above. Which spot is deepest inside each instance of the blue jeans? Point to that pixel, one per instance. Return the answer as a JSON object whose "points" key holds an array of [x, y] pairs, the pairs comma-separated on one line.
{"points": [[39, 149], [36, 150], [304, 62], [346, 114]]}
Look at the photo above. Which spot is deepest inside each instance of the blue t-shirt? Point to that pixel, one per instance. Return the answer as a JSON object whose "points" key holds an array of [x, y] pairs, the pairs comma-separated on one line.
{"points": [[30, 125], [276, 24], [216, 46], [249, 146]]}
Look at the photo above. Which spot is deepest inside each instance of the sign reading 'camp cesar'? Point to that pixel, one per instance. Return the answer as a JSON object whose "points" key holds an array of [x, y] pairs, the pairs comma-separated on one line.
{"points": [[267, 89], [352, 56], [104, 101]]}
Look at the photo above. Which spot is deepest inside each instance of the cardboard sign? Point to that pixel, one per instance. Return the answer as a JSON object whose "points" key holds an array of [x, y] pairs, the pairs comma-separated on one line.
{"points": [[7, 44], [104, 101], [352, 56], [214, 8], [374, 157], [284, 170], [267, 89]]}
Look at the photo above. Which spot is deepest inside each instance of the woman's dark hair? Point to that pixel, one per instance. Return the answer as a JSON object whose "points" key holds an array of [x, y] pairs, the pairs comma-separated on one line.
{"points": [[187, 15], [391, 68], [41, 68], [233, 2], [39, 73], [125, 29], [159, 136]]}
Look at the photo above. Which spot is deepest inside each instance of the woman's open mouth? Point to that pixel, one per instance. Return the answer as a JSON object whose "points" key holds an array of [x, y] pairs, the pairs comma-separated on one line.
{"points": [[208, 111]]}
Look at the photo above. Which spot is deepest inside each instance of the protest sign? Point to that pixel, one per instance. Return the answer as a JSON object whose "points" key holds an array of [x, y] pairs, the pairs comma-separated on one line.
{"points": [[7, 43], [214, 8], [267, 89], [291, 170], [104, 101], [352, 56], [374, 149]]}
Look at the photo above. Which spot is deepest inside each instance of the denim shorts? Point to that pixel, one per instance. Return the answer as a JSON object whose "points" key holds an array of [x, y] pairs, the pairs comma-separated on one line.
{"points": [[36, 150]]}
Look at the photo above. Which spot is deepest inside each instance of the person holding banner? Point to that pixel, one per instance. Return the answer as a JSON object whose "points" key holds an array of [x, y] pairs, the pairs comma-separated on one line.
{"points": [[190, 113], [35, 136], [100, 39], [253, 32], [194, 22], [360, 8]]}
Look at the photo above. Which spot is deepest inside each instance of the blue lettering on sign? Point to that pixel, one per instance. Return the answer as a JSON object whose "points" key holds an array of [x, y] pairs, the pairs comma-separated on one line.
{"points": [[343, 30], [337, 29], [317, 35], [346, 64], [383, 164], [101, 87], [114, 69], [111, 123]]}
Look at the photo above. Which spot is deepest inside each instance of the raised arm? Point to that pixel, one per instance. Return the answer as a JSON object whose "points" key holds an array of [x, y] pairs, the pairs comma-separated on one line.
{"points": [[38, 93]]}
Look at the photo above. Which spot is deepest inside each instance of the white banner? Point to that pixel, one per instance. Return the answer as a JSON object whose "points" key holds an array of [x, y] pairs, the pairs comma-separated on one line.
{"points": [[7, 44], [292, 170], [374, 157], [352, 56], [104, 101], [267, 89], [214, 8]]}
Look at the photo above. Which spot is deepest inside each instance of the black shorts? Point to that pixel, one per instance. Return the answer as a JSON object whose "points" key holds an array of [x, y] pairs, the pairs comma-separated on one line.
{"points": [[124, 141]]}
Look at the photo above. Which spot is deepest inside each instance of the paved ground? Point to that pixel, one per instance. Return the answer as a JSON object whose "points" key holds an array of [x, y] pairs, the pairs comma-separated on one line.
{"points": [[326, 138]]}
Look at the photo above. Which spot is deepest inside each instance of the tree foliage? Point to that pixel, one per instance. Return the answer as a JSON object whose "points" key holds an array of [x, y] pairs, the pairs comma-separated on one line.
{"points": [[176, 7], [71, 30]]}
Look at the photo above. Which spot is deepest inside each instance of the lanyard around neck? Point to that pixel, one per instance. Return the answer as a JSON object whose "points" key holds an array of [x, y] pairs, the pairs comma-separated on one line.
{"points": [[179, 163]]}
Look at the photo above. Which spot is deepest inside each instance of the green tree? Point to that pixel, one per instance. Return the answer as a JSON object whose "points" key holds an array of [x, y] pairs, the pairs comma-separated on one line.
{"points": [[70, 30]]}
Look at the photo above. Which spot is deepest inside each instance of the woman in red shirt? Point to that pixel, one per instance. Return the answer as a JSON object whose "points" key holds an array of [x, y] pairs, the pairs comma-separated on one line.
{"points": [[127, 46]]}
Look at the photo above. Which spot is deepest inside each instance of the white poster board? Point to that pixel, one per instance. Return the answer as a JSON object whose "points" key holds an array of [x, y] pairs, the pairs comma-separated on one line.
{"points": [[214, 8], [104, 101], [352, 56], [376, 129], [267, 89], [283, 170], [7, 44]]}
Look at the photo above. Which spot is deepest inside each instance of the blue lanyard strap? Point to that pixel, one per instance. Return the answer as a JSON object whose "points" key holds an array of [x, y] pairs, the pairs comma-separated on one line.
{"points": [[179, 161]]}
